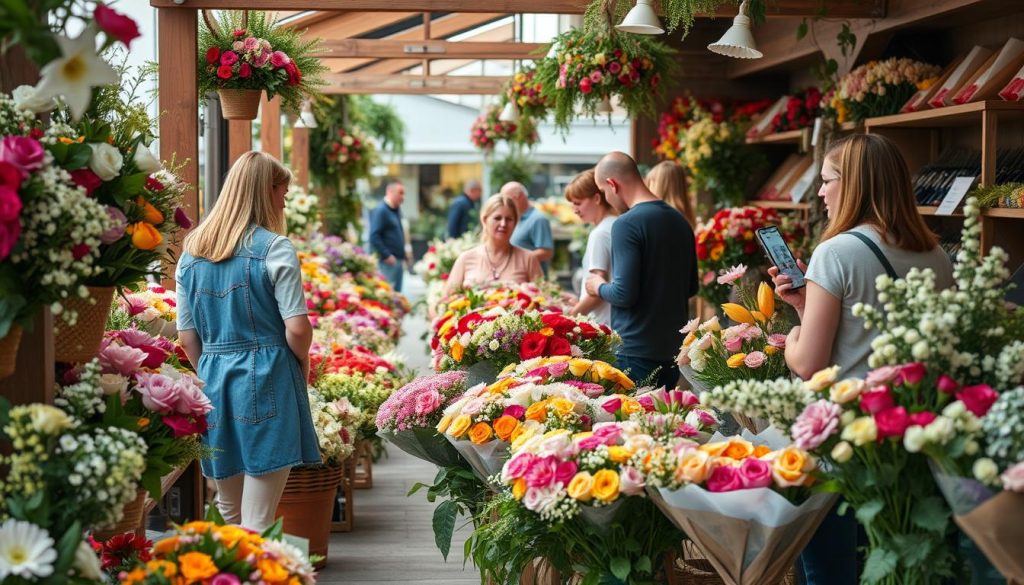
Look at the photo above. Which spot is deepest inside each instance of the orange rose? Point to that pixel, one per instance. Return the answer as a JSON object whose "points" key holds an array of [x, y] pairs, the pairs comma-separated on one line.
{"points": [[738, 449], [167, 568], [197, 566], [693, 467], [537, 411], [505, 426], [271, 571], [480, 433], [144, 236], [137, 575], [166, 546], [791, 466], [761, 450]]}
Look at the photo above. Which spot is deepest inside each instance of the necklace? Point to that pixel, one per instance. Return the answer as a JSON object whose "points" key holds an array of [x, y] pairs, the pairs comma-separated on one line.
{"points": [[496, 271]]}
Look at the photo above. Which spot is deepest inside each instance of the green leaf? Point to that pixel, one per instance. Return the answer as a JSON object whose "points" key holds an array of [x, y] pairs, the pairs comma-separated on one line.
{"points": [[66, 548], [213, 515], [880, 564], [275, 531], [801, 31], [931, 513], [151, 483], [444, 526], [416, 487], [867, 511], [78, 156], [912, 549], [620, 567], [643, 565]]}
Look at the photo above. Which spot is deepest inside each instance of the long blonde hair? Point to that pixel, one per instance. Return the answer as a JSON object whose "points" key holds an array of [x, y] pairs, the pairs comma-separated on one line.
{"points": [[667, 180], [245, 200], [875, 189]]}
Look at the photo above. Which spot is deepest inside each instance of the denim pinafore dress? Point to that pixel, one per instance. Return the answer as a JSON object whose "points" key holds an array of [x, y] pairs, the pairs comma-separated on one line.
{"points": [[261, 421]]}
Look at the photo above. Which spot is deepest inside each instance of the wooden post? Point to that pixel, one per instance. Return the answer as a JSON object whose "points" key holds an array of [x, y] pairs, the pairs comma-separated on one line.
{"points": [[270, 126], [300, 156], [239, 139]]}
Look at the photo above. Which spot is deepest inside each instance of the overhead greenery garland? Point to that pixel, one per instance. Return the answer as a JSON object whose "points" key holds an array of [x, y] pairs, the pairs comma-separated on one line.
{"points": [[676, 12], [591, 65], [525, 91]]}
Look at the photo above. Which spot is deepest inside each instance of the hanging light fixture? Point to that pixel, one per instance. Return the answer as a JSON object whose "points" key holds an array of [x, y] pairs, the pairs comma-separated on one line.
{"points": [[641, 20], [510, 113], [605, 107], [306, 118], [738, 41], [299, 123]]}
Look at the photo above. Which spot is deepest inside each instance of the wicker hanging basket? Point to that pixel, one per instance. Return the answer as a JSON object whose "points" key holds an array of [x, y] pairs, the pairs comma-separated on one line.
{"points": [[240, 104], [132, 519], [306, 505], [80, 342], [9, 350]]}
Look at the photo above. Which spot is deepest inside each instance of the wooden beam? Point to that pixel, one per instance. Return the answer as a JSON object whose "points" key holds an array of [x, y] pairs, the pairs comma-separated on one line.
{"points": [[270, 126], [365, 83], [836, 8], [431, 50], [300, 156], [239, 139]]}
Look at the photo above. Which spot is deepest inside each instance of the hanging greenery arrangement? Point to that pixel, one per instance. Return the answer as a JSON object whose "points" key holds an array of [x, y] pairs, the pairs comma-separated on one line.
{"points": [[676, 13], [589, 67], [381, 121], [488, 130]]}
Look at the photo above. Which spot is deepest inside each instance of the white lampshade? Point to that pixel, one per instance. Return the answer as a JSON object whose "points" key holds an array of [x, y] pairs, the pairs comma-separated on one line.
{"points": [[510, 113], [641, 20], [605, 107], [738, 41], [299, 122], [307, 117]]}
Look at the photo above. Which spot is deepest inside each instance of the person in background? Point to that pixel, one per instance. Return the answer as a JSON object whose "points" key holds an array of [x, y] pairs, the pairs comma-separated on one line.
{"points": [[533, 232], [242, 321], [654, 272], [590, 205], [667, 180], [874, 229], [460, 211], [387, 237], [495, 260]]}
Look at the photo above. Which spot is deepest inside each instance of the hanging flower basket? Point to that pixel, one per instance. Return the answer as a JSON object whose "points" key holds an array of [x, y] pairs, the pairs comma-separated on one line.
{"points": [[132, 519], [80, 342], [9, 350], [240, 104], [306, 503]]}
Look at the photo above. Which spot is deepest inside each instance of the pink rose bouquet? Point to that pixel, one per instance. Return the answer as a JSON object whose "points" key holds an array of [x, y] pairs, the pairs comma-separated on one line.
{"points": [[409, 416]]}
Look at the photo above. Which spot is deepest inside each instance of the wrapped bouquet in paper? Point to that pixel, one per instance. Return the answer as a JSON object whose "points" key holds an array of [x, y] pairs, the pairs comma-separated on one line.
{"points": [[593, 377], [744, 501], [409, 417]]}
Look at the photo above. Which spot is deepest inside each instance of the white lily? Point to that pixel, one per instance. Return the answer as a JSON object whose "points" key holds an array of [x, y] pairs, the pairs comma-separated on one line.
{"points": [[73, 75]]}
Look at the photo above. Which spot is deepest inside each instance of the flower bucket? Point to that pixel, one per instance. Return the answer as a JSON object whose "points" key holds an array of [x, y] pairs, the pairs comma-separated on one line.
{"points": [[308, 494], [364, 465], [132, 519], [240, 104], [9, 350], [80, 342]]}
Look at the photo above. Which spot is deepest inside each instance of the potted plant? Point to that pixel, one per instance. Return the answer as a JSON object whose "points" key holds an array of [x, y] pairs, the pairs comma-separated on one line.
{"points": [[242, 54]]}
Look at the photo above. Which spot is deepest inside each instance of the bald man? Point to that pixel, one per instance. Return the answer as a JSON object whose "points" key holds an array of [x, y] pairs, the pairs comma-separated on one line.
{"points": [[654, 273]]}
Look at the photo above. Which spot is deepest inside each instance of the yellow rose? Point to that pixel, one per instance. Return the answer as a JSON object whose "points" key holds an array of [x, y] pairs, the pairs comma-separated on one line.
{"points": [[861, 431], [736, 360], [714, 449], [619, 454], [766, 300], [505, 426], [821, 380], [457, 351], [771, 349], [501, 386], [522, 434], [845, 391], [537, 411], [790, 467], [480, 433], [230, 535], [606, 485], [761, 450], [198, 526], [737, 313], [166, 546], [460, 425], [842, 452], [446, 421], [738, 449], [717, 251], [519, 488], [459, 304], [630, 406], [563, 406], [197, 566], [694, 466], [600, 59], [581, 487], [620, 378]]}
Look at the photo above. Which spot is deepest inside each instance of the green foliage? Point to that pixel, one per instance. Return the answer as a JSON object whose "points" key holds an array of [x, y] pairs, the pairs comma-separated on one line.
{"points": [[677, 13], [516, 167], [464, 494], [31, 24], [380, 121], [1007, 194]]}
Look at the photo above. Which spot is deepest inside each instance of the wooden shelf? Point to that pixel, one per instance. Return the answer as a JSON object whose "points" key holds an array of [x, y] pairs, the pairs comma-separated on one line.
{"points": [[780, 204], [960, 115], [1000, 212], [788, 137]]}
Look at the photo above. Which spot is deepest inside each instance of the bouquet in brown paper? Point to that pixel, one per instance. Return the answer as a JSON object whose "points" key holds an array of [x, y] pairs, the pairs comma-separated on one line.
{"points": [[745, 501]]}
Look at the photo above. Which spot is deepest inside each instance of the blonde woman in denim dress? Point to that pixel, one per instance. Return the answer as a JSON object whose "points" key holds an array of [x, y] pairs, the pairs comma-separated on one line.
{"points": [[243, 323]]}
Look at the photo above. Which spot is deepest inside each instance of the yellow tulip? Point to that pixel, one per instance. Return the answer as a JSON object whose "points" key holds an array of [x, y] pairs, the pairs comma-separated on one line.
{"points": [[738, 313], [736, 360], [766, 300]]}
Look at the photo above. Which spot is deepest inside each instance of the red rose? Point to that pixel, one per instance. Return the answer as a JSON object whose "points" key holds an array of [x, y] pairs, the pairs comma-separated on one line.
{"points": [[86, 179], [559, 346], [10, 176], [558, 322], [892, 422], [922, 418], [245, 71], [532, 346], [212, 55], [294, 75], [116, 24], [224, 72], [79, 251], [182, 426], [876, 400], [912, 373], [10, 204], [239, 32], [978, 399], [469, 322]]}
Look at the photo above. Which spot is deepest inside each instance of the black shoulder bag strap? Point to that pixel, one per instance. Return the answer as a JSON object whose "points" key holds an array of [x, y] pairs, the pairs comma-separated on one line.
{"points": [[877, 252]]}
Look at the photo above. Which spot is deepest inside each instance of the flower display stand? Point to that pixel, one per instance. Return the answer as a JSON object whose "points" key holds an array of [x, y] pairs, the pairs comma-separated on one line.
{"points": [[308, 492], [343, 497], [363, 465], [132, 519]]}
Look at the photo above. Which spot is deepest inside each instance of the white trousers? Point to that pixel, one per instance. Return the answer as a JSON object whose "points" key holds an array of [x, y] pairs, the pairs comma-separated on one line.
{"points": [[250, 501]]}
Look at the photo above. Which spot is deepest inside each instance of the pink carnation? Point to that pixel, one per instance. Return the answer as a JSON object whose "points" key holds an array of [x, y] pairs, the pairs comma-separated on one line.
{"points": [[816, 423], [732, 274]]}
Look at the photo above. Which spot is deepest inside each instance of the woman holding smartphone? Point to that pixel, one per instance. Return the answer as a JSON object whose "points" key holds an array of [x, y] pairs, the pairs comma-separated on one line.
{"points": [[874, 229]]}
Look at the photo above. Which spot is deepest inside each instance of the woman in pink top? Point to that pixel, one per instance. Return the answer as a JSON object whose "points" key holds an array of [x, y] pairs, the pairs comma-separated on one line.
{"points": [[496, 260]]}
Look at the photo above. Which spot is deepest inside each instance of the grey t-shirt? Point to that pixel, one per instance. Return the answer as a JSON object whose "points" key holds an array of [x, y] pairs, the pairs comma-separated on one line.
{"points": [[599, 257], [846, 268]]}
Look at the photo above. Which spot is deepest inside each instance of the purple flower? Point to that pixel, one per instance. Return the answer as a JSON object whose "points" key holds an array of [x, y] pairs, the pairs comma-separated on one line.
{"points": [[117, 230]]}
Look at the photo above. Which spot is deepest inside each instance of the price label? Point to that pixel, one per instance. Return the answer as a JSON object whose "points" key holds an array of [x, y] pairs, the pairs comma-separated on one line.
{"points": [[956, 193]]}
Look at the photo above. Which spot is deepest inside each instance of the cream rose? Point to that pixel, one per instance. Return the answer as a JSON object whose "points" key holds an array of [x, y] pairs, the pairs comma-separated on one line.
{"points": [[842, 452], [846, 390], [114, 384], [145, 160], [823, 379], [26, 98], [861, 431], [106, 160]]}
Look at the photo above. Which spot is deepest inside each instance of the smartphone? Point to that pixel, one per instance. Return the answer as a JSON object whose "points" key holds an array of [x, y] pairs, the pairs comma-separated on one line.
{"points": [[778, 252]]}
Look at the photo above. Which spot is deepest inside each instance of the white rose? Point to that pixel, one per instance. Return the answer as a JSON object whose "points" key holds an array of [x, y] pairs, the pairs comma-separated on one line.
{"points": [[106, 160], [842, 452], [86, 564], [914, 439], [940, 430], [985, 470], [145, 160], [113, 384], [26, 98]]}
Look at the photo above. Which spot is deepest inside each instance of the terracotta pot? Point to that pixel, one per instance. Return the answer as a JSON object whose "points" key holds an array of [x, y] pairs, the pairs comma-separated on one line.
{"points": [[306, 504], [9, 351], [240, 104], [132, 519], [80, 342]]}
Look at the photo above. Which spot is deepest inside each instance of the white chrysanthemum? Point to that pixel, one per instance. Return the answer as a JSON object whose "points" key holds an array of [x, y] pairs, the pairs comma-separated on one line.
{"points": [[26, 550]]}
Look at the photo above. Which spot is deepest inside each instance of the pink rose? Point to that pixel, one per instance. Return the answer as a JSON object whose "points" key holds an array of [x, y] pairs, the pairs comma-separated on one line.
{"points": [[10, 204], [26, 154], [279, 59], [427, 402], [709, 277], [686, 430], [159, 393], [706, 418], [590, 443], [157, 349], [564, 471], [724, 479], [558, 369], [116, 24], [519, 465], [609, 433], [647, 402], [922, 419], [515, 411], [755, 473], [541, 473], [120, 359], [251, 44], [262, 59], [182, 426], [473, 407], [978, 398], [228, 58], [1013, 478], [225, 579], [755, 359], [612, 405], [818, 421], [892, 422], [882, 375], [734, 344], [614, 67], [631, 481], [777, 340], [116, 231], [685, 398], [596, 76], [947, 385], [191, 398], [876, 399], [912, 373]]}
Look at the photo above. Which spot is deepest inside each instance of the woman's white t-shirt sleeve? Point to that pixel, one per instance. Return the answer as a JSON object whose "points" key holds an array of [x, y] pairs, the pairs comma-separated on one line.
{"points": [[286, 276]]}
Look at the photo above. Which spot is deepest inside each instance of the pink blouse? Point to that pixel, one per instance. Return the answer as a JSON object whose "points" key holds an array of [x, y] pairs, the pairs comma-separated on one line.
{"points": [[472, 268]]}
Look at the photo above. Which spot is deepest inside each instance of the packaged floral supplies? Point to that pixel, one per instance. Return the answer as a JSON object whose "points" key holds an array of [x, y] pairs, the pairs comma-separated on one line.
{"points": [[746, 505], [153, 307], [961, 75], [409, 417], [994, 75]]}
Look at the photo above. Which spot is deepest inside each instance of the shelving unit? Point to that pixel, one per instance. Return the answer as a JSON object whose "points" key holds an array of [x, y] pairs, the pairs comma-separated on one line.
{"points": [[780, 204], [789, 137]]}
